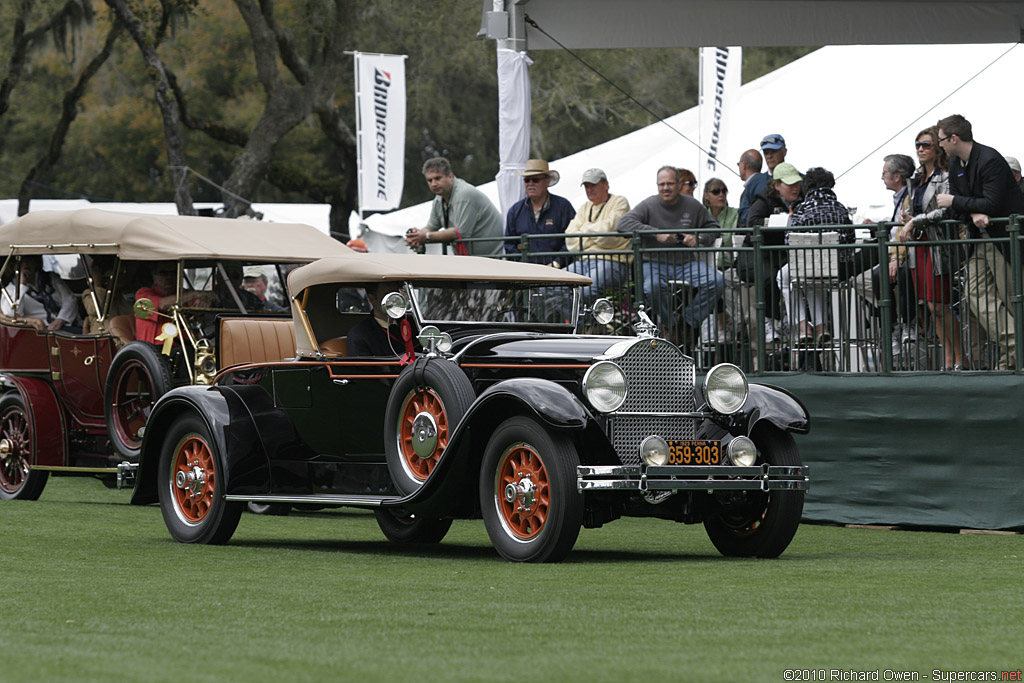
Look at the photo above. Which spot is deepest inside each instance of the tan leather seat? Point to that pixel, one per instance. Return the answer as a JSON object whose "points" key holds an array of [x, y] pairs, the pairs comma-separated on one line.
{"points": [[335, 347], [122, 328], [247, 340]]}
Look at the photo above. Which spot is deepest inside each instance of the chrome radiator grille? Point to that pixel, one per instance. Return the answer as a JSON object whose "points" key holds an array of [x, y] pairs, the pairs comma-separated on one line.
{"points": [[660, 381]]}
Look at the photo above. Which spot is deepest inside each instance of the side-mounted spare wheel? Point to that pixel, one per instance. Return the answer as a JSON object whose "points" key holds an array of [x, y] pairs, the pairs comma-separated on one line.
{"points": [[759, 523], [18, 481], [139, 375], [190, 484], [428, 400]]}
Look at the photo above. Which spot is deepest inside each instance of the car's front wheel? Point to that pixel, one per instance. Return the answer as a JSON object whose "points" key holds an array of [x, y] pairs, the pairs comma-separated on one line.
{"points": [[528, 495], [191, 486], [18, 481], [138, 376], [758, 523], [402, 526]]}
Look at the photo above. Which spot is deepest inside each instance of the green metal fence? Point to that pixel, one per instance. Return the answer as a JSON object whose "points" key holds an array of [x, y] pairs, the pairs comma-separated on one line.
{"points": [[945, 301]]}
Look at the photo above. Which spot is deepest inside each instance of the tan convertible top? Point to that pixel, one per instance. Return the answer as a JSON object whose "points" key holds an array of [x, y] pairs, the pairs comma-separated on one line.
{"points": [[151, 237], [400, 267], [368, 268]]}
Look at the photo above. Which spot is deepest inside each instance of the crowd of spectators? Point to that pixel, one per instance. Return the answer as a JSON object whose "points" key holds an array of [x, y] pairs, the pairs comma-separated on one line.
{"points": [[684, 279]]}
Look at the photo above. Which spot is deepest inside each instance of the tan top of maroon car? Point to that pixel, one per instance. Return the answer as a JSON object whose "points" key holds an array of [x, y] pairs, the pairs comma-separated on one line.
{"points": [[151, 237]]}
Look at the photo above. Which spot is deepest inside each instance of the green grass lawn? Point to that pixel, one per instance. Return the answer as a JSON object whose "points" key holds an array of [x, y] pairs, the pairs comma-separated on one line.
{"points": [[94, 589]]}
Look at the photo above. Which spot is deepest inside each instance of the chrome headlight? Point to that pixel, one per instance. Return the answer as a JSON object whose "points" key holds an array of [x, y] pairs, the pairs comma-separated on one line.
{"points": [[654, 451], [395, 305], [725, 388], [605, 386], [603, 311], [742, 452]]}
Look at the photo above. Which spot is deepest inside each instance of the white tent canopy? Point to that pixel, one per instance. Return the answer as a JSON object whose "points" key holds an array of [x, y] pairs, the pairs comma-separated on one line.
{"points": [[837, 107], [698, 23]]}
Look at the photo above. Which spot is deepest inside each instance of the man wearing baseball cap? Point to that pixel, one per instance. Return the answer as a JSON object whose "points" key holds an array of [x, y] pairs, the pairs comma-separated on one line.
{"points": [[773, 147], [599, 214]]}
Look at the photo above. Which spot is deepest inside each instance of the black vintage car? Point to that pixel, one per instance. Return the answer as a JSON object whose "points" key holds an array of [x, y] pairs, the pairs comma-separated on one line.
{"points": [[482, 402]]}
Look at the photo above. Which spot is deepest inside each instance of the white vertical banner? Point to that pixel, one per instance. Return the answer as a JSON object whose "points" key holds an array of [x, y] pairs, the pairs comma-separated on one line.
{"points": [[514, 103], [720, 69], [380, 130]]}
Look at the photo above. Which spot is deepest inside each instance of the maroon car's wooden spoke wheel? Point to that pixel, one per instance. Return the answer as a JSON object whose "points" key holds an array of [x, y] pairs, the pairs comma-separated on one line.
{"points": [[193, 479], [423, 432], [523, 491], [133, 401], [15, 449]]}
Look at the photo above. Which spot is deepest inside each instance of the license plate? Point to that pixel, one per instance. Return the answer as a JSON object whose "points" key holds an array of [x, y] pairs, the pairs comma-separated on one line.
{"points": [[694, 452]]}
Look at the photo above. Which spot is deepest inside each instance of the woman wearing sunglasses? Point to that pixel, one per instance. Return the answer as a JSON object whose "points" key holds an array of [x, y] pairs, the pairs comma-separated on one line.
{"points": [[933, 265]]}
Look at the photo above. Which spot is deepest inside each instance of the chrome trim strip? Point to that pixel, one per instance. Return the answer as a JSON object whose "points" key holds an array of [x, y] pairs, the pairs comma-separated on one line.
{"points": [[697, 415], [326, 499]]}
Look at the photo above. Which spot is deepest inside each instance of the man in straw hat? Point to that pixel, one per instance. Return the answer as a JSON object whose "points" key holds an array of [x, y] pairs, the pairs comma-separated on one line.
{"points": [[540, 213]]}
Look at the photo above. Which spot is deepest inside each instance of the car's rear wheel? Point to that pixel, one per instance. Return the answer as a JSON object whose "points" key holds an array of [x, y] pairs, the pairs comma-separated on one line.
{"points": [[402, 526], [428, 400], [18, 481], [191, 486], [138, 376], [758, 523], [528, 495], [269, 509]]}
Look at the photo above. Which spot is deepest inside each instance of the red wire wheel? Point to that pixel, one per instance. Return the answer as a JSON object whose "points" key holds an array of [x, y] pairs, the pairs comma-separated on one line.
{"points": [[18, 481], [424, 423], [14, 465], [132, 402], [194, 478], [138, 376], [524, 491]]}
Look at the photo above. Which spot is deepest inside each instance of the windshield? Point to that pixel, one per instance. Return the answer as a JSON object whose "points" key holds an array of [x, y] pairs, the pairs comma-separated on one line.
{"points": [[495, 302], [259, 287]]}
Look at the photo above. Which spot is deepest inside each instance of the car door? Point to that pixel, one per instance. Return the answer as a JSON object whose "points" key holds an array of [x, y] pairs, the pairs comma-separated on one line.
{"points": [[337, 411], [79, 366]]}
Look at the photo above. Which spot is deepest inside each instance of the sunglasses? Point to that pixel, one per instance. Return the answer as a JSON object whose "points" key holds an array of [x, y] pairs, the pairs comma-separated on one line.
{"points": [[688, 182], [947, 137], [923, 143], [718, 190], [534, 179]]}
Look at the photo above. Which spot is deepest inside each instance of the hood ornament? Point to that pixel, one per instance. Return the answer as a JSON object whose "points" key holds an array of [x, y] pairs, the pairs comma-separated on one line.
{"points": [[645, 328]]}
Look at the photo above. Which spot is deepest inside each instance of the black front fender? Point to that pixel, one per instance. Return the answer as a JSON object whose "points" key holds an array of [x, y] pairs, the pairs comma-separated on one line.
{"points": [[231, 426], [778, 406], [549, 402]]}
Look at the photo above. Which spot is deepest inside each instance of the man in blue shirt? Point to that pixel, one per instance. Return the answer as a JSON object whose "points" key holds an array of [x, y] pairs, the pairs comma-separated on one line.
{"points": [[540, 213], [754, 181]]}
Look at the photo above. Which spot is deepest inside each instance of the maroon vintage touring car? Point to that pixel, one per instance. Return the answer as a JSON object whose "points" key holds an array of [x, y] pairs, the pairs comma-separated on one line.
{"points": [[77, 399]]}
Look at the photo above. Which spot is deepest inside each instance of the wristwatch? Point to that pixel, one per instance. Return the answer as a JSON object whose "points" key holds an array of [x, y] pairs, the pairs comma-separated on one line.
{"points": [[426, 238]]}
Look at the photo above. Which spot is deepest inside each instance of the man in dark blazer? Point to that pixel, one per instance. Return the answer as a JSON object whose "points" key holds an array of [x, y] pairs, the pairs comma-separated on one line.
{"points": [[982, 187]]}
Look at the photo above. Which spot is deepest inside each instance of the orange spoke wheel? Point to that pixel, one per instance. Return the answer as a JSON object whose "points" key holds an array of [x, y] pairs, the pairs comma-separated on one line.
{"points": [[523, 491], [193, 479], [423, 432]]}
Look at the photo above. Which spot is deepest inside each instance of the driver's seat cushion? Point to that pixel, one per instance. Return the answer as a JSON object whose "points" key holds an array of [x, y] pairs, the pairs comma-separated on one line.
{"points": [[122, 328], [249, 340]]}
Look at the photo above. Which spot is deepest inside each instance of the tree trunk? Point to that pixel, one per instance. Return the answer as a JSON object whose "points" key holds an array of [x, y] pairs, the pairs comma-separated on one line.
{"points": [[69, 111], [173, 137]]}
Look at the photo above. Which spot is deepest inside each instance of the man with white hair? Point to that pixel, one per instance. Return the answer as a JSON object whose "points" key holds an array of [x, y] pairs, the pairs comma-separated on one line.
{"points": [[599, 214]]}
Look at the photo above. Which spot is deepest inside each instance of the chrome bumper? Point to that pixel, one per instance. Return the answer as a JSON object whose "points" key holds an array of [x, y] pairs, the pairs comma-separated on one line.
{"points": [[126, 474], [692, 477]]}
